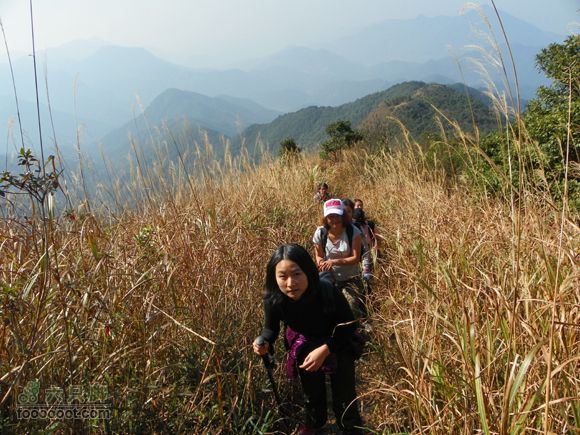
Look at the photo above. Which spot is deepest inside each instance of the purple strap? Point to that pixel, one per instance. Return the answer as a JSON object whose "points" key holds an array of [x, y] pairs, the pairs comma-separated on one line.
{"points": [[295, 343]]}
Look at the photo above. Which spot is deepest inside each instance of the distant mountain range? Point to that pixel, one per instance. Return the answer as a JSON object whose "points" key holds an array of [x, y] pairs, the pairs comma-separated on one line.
{"points": [[176, 113], [180, 121], [424, 39], [101, 90]]}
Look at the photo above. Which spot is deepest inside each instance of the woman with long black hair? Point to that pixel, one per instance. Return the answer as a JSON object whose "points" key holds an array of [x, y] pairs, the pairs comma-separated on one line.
{"points": [[319, 336]]}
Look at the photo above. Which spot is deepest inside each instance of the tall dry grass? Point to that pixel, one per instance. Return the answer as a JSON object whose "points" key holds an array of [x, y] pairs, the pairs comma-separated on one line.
{"points": [[161, 302], [475, 305], [158, 303], [467, 312]]}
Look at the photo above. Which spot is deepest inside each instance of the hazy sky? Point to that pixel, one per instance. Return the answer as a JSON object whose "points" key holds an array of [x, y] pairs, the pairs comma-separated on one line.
{"points": [[237, 28]]}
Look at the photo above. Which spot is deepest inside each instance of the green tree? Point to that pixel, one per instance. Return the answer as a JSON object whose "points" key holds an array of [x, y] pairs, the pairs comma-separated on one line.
{"points": [[547, 117], [552, 125], [289, 150], [289, 145], [341, 136]]}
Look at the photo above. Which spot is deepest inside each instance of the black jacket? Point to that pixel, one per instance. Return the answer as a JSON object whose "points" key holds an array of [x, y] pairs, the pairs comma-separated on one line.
{"points": [[321, 313]]}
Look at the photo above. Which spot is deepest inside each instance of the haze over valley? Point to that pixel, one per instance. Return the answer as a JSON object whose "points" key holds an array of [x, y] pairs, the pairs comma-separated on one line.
{"points": [[107, 93]]}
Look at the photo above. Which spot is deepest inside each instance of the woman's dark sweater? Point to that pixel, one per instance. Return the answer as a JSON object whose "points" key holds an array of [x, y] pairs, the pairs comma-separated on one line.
{"points": [[315, 315]]}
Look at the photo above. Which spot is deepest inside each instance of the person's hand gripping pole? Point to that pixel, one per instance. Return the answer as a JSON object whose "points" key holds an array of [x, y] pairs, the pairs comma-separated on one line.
{"points": [[262, 348]]}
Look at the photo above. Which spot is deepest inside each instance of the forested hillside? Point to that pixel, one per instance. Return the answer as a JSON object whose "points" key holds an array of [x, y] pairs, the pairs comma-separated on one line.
{"points": [[414, 103]]}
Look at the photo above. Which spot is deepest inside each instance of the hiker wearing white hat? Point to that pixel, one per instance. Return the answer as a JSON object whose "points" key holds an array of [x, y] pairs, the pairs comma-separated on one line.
{"points": [[337, 245]]}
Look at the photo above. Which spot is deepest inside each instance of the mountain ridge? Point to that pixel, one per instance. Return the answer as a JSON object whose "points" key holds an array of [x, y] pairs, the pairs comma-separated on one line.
{"points": [[175, 110], [307, 126], [109, 84]]}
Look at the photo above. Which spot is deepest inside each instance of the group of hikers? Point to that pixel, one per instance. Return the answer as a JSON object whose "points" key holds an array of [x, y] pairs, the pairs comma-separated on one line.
{"points": [[321, 303]]}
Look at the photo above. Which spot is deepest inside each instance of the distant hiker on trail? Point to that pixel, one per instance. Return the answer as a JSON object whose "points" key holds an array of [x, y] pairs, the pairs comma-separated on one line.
{"points": [[322, 194], [368, 230], [360, 216], [319, 335], [348, 208], [338, 244]]}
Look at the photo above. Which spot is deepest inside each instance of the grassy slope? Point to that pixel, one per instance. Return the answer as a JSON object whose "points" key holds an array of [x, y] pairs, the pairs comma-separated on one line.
{"points": [[161, 305]]}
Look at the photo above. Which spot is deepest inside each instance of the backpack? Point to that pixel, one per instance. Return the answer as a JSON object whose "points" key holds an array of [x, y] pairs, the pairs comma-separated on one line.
{"points": [[371, 225], [367, 228], [349, 234], [357, 340]]}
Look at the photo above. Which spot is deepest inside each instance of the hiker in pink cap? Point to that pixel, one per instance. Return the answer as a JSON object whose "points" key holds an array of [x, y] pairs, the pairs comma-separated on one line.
{"points": [[338, 245]]}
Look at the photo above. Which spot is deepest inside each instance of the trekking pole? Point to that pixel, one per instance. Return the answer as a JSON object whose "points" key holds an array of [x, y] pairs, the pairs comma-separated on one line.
{"points": [[269, 365]]}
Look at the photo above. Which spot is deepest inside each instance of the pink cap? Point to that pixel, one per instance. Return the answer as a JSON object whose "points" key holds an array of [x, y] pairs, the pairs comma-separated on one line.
{"points": [[333, 206]]}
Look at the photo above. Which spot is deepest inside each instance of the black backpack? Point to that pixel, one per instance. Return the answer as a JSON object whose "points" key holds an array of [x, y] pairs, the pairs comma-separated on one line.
{"points": [[371, 229], [358, 340], [360, 220]]}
